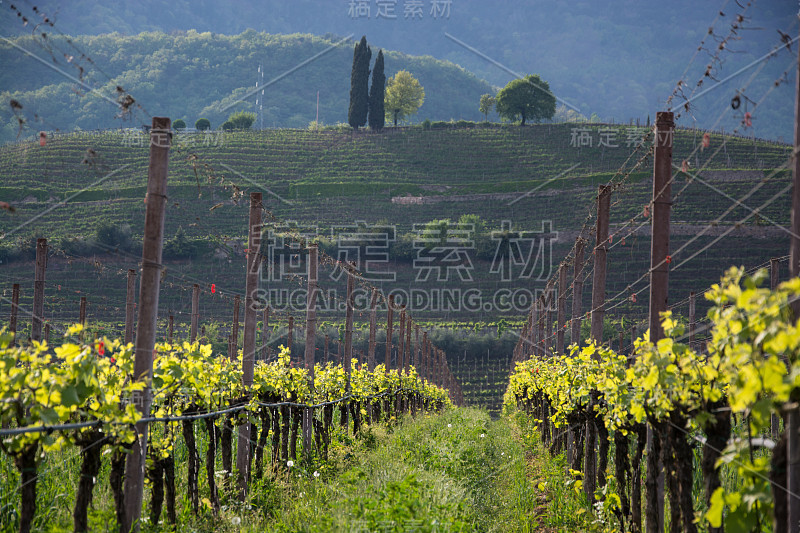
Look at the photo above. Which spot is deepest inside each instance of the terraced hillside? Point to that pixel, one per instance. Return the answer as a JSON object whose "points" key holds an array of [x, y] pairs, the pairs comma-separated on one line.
{"points": [[78, 183]]}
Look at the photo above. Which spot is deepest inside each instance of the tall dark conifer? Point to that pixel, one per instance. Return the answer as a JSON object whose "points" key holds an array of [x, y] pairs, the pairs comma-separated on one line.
{"points": [[377, 115], [359, 85]]}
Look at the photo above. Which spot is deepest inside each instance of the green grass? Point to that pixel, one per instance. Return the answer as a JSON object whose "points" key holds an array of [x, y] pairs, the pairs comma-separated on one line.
{"points": [[456, 471]]}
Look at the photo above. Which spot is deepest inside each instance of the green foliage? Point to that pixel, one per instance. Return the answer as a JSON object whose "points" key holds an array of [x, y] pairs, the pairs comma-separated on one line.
{"points": [[359, 85], [202, 124], [179, 124], [486, 105], [753, 337], [240, 120], [112, 236], [182, 247], [404, 96], [377, 93], [527, 98]]}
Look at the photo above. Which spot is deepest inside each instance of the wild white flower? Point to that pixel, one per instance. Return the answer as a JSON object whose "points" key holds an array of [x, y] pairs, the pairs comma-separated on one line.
{"points": [[316, 474], [502, 453], [290, 463], [449, 425], [236, 520], [483, 435]]}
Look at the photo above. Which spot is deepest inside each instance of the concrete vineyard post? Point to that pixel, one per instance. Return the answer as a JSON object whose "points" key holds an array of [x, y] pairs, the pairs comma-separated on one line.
{"points": [[160, 138]]}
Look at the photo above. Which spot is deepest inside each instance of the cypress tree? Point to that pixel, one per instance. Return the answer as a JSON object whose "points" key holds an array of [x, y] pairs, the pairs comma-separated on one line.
{"points": [[359, 85], [377, 115]]}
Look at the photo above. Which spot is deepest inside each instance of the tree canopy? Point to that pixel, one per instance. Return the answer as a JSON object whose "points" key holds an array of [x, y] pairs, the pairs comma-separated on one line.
{"points": [[526, 98], [404, 96], [359, 85], [377, 92], [240, 120], [486, 105]]}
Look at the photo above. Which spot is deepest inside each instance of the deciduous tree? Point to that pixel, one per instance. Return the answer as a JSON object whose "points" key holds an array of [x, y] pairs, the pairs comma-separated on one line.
{"points": [[526, 98], [404, 96]]}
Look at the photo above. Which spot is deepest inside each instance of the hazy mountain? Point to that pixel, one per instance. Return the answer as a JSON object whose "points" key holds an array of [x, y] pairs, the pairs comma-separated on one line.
{"points": [[617, 59]]}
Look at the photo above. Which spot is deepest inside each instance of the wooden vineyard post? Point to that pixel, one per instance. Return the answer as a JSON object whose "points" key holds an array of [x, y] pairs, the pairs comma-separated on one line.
{"points": [[548, 325], [170, 328], [692, 321], [535, 329], [562, 308], [417, 351], [195, 312], [659, 286], [47, 332], [407, 357], [82, 316], [425, 347], [38, 289], [265, 335], [389, 316], [327, 341], [160, 137], [348, 335], [774, 277], [310, 349], [792, 413], [130, 305], [249, 338], [290, 336], [592, 478], [401, 341], [373, 324], [234, 338], [577, 293], [12, 323]]}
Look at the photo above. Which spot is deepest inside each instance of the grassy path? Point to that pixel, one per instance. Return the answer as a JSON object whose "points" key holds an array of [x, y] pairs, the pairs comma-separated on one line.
{"points": [[460, 471], [457, 471]]}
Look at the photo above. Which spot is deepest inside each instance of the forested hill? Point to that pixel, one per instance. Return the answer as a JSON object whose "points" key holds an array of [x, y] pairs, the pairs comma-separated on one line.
{"points": [[619, 59], [195, 75]]}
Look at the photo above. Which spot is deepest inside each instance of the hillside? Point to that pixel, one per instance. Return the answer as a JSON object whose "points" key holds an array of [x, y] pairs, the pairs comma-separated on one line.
{"points": [[618, 59], [407, 177], [410, 176], [192, 75]]}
